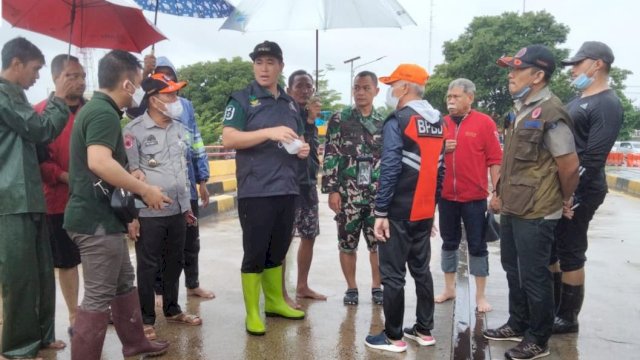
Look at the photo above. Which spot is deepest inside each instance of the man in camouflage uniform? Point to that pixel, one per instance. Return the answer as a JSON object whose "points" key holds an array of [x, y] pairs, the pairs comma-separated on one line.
{"points": [[350, 175]]}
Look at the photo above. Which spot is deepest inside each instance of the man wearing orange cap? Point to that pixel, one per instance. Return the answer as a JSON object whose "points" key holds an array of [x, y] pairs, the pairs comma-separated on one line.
{"points": [[411, 174], [155, 146], [538, 175]]}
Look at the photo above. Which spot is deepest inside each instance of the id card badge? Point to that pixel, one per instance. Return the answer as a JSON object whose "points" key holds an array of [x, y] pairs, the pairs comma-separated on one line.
{"points": [[365, 170]]}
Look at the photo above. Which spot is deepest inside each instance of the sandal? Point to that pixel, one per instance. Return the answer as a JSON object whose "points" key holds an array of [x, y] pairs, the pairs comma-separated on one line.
{"points": [[351, 297], [150, 332], [184, 318], [377, 296]]}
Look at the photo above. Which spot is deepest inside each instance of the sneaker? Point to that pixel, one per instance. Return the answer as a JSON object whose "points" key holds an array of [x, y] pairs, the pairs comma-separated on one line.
{"points": [[350, 297], [382, 342], [377, 296], [423, 338], [526, 351], [504, 332]]}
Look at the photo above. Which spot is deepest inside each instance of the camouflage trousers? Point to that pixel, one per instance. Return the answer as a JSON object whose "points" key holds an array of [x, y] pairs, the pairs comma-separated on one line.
{"points": [[353, 220]]}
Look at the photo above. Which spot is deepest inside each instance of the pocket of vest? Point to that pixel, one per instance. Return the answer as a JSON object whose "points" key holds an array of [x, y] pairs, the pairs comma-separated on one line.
{"points": [[518, 196], [527, 147]]}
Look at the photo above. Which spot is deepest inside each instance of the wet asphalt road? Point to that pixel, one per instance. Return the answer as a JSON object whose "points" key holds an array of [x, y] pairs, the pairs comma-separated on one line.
{"points": [[609, 320]]}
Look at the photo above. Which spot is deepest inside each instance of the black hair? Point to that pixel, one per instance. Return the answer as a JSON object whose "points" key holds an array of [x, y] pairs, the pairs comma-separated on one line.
{"points": [[58, 63], [293, 75], [547, 74], [369, 74], [115, 66], [22, 49]]}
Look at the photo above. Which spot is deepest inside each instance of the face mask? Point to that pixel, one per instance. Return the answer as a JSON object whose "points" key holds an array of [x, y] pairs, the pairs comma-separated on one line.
{"points": [[522, 93], [583, 81], [391, 100], [173, 110], [137, 96]]}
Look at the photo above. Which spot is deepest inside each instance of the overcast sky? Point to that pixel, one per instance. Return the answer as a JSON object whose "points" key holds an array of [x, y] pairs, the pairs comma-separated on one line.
{"points": [[192, 40]]}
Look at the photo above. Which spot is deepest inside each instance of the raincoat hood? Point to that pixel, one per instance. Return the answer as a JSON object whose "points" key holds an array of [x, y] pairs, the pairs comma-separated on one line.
{"points": [[425, 109], [163, 61]]}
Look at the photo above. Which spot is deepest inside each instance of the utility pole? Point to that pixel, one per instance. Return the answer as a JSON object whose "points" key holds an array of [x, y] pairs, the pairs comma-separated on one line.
{"points": [[430, 34], [351, 79]]}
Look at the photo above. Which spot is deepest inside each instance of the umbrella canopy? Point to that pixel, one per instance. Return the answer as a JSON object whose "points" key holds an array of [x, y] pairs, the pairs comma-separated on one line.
{"points": [[191, 8], [269, 15], [110, 24], [274, 15]]}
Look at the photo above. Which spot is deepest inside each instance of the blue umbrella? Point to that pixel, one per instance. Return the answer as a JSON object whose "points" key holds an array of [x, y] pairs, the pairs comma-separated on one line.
{"points": [[191, 8]]}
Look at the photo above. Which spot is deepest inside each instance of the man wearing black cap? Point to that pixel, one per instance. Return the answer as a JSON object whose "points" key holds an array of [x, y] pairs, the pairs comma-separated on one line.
{"points": [[538, 176], [597, 115], [263, 123], [155, 143]]}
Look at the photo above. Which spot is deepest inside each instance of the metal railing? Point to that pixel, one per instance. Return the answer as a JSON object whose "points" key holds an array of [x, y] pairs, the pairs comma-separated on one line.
{"points": [[219, 152]]}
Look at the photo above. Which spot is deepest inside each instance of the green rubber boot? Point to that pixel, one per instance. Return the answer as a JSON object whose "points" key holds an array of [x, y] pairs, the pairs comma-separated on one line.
{"points": [[251, 291], [274, 303]]}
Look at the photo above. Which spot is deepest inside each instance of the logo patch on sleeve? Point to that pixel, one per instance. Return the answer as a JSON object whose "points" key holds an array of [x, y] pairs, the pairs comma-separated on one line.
{"points": [[424, 128], [128, 141], [229, 112]]}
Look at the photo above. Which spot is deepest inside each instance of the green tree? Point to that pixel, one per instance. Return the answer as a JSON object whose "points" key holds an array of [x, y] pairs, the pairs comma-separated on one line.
{"points": [[617, 78], [473, 55], [210, 84], [328, 97]]}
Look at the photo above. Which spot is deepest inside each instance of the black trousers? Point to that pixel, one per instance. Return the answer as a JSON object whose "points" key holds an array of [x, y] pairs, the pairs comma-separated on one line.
{"points": [[525, 249], [266, 224], [191, 251], [160, 248], [409, 245]]}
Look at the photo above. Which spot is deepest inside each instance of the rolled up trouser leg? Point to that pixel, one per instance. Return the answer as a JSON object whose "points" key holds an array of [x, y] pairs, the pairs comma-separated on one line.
{"points": [[479, 265], [449, 261]]}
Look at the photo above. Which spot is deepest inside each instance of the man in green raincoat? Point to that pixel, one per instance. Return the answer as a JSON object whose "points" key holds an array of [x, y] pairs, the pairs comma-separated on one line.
{"points": [[26, 264]]}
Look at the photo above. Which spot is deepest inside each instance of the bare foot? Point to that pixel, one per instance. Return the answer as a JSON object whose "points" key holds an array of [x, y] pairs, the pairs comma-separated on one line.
{"points": [[446, 295], [56, 345], [306, 293], [159, 301], [482, 305], [292, 302], [200, 292]]}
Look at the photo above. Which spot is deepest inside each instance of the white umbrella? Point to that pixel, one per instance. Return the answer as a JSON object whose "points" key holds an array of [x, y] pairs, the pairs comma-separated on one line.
{"points": [[274, 15]]}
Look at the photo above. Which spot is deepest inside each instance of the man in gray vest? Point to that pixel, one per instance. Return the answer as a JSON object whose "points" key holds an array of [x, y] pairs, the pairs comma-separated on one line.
{"points": [[263, 124]]}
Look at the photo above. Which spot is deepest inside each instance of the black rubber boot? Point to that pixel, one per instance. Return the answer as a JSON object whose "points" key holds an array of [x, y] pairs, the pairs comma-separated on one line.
{"points": [[566, 320], [557, 291]]}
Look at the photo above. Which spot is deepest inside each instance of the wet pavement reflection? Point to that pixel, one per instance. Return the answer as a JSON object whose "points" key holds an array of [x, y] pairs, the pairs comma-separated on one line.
{"points": [[609, 319]]}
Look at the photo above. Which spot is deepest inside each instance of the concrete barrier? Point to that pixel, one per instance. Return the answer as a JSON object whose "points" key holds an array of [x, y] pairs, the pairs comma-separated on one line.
{"points": [[631, 187]]}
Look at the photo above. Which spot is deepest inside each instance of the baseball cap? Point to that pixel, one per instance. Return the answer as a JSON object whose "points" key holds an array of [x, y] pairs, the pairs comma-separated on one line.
{"points": [[595, 50], [266, 48], [533, 55], [409, 72], [160, 83]]}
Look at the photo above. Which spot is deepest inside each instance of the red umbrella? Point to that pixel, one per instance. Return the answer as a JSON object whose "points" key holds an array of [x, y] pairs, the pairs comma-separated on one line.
{"points": [[110, 24]]}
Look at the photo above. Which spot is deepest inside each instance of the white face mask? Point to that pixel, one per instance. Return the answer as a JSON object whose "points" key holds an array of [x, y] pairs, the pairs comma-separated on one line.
{"points": [[391, 100], [137, 96], [173, 110]]}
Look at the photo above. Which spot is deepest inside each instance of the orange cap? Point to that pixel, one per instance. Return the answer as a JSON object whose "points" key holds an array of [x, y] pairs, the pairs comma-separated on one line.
{"points": [[160, 83], [408, 72]]}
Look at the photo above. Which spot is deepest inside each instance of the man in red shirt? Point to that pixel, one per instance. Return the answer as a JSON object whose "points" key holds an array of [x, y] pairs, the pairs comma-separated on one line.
{"points": [[54, 166], [471, 147]]}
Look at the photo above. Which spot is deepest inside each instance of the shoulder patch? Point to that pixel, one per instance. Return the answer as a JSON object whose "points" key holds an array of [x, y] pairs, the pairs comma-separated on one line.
{"points": [[424, 128], [128, 141], [229, 112]]}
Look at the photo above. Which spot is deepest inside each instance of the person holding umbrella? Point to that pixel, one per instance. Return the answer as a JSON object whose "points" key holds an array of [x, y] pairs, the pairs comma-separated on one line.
{"points": [[26, 263], [263, 123]]}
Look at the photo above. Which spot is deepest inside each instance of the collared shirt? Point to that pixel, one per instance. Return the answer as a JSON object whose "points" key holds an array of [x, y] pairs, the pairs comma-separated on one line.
{"points": [[159, 152], [21, 128], [97, 123]]}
